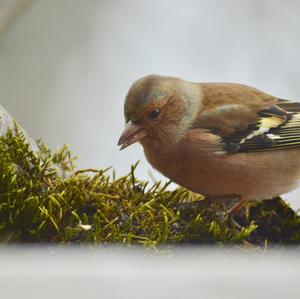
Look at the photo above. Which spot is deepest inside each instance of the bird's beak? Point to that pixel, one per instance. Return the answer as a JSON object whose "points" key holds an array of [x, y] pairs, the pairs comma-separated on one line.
{"points": [[132, 133]]}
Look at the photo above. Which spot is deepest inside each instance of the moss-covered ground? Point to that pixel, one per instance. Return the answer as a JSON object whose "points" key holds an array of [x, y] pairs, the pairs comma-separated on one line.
{"points": [[45, 199]]}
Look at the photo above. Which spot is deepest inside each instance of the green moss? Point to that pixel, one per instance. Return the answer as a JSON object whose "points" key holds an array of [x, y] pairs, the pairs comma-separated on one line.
{"points": [[43, 198]]}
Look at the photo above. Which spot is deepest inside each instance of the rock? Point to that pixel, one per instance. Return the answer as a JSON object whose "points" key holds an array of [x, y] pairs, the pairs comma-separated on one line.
{"points": [[7, 122]]}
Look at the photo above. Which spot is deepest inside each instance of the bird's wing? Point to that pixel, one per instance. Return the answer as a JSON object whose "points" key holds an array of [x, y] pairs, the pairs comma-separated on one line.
{"points": [[271, 131], [257, 123]]}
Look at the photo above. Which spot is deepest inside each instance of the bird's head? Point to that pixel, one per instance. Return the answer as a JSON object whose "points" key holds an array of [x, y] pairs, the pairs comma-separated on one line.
{"points": [[158, 108]]}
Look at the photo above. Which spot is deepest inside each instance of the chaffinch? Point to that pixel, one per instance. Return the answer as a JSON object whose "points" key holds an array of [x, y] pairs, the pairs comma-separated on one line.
{"points": [[218, 139]]}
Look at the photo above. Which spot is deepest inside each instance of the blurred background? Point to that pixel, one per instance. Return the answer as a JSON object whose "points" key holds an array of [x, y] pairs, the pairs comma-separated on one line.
{"points": [[66, 65], [112, 273]]}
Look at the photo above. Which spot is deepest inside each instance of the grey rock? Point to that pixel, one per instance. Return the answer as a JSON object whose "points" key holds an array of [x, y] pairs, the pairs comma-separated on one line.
{"points": [[7, 122]]}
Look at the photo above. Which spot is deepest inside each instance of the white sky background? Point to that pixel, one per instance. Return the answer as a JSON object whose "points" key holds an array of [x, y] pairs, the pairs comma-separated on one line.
{"points": [[66, 65]]}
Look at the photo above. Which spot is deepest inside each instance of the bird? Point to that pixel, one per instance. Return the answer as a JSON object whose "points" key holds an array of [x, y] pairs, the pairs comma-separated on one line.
{"points": [[221, 140]]}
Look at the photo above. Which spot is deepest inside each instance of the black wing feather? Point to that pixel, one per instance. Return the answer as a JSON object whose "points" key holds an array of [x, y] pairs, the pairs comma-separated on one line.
{"points": [[258, 137]]}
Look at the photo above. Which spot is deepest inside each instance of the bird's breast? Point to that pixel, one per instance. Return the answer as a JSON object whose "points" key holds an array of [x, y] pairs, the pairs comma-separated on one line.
{"points": [[258, 175]]}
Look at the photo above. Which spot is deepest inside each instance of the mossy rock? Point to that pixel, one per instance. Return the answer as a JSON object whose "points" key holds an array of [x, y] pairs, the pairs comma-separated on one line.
{"points": [[44, 199]]}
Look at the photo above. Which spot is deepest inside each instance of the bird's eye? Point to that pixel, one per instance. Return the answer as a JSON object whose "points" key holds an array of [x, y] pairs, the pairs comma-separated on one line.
{"points": [[154, 114]]}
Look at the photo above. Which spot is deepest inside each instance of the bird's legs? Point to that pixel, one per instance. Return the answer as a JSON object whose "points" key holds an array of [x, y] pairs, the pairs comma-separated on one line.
{"points": [[237, 206], [234, 210]]}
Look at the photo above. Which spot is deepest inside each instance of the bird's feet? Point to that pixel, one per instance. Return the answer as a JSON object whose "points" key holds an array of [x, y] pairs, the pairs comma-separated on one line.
{"points": [[234, 202]]}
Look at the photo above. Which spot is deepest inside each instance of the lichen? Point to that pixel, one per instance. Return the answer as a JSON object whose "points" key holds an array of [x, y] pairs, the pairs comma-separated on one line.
{"points": [[45, 199]]}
